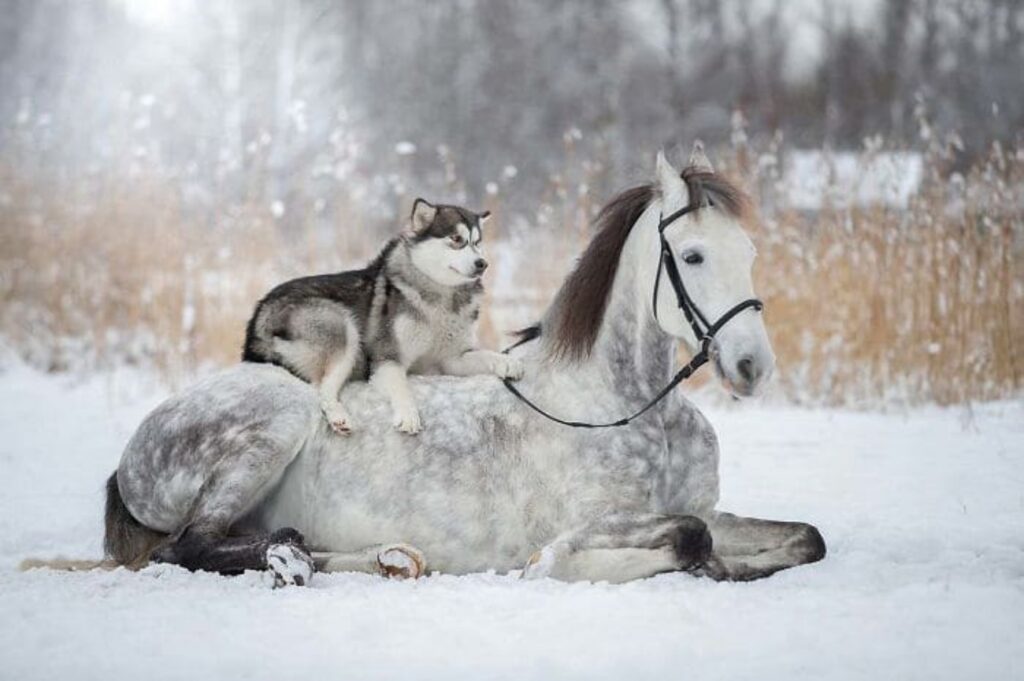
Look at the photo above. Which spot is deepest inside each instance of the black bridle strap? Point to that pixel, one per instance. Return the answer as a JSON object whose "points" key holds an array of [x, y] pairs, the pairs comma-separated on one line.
{"points": [[702, 329], [695, 363]]}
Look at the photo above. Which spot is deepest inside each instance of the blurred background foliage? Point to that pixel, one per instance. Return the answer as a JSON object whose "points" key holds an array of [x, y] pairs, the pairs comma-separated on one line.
{"points": [[162, 163]]}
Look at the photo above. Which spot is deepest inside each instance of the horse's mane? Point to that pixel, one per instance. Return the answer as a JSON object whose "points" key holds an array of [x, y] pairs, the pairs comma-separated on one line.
{"points": [[580, 304]]}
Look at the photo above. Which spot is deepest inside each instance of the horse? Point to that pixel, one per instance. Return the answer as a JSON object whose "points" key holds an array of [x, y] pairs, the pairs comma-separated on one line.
{"points": [[239, 472]]}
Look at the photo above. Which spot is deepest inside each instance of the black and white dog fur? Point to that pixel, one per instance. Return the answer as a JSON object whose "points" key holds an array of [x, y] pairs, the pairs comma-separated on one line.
{"points": [[413, 309]]}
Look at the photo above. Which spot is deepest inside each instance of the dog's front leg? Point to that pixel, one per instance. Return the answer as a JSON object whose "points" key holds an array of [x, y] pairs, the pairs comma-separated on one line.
{"points": [[390, 378], [473, 362]]}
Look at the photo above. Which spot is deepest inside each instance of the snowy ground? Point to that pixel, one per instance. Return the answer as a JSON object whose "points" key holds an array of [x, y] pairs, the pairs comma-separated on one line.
{"points": [[923, 513]]}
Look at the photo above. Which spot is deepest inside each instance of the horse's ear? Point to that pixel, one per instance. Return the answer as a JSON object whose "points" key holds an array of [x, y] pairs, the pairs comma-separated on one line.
{"points": [[423, 214], [673, 189], [698, 159]]}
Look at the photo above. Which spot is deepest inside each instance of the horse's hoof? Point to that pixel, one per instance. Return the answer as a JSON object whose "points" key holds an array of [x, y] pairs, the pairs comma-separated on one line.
{"points": [[540, 564], [290, 565], [401, 561]]}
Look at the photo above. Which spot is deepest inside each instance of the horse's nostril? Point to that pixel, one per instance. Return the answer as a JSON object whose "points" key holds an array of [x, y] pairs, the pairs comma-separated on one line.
{"points": [[745, 367], [481, 265]]}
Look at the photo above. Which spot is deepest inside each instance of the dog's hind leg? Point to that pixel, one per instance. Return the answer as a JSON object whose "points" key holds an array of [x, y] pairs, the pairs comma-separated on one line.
{"points": [[337, 371]]}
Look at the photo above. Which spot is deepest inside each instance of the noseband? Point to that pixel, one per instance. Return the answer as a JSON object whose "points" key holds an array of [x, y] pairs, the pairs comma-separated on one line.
{"points": [[702, 329]]}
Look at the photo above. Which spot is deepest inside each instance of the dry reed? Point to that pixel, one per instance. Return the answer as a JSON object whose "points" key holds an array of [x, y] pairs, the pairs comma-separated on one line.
{"points": [[865, 305]]}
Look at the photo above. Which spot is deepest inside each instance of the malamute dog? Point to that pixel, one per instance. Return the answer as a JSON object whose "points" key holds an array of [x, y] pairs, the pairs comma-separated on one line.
{"points": [[412, 309]]}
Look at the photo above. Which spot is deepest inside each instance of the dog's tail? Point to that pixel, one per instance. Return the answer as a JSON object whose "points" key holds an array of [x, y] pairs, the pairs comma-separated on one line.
{"points": [[126, 541], [255, 347]]}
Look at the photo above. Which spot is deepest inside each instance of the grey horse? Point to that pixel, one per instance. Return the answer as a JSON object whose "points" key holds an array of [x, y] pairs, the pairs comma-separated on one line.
{"points": [[240, 471]]}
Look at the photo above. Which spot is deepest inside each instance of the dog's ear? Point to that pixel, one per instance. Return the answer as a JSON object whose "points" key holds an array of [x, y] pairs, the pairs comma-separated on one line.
{"points": [[484, 217], [423, 214]]}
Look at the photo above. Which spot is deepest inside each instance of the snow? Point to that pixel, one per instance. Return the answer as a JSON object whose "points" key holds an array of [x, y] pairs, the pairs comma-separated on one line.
{"points": [[842, 179], [405, 148], [924, 577]]}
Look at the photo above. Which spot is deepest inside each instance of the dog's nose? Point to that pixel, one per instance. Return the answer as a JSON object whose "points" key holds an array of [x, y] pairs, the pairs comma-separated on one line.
{"points": [[480, 264]]}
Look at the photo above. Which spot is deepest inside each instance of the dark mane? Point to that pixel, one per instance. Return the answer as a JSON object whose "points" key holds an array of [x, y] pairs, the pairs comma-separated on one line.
{"points": [[580, 305]]}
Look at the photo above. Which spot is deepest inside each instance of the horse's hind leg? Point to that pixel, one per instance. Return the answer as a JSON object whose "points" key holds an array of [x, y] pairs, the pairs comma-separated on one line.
{"points": [[388, 560], [282, 552], [623, 547], [752, 548], [251, 464]]}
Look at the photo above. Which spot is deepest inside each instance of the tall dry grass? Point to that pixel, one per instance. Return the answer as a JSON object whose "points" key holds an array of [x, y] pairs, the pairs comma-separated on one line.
{"points": [[865, 305], [876, 305]]}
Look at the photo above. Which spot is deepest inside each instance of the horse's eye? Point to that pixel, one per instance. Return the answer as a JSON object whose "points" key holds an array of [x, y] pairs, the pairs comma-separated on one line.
{"points": [[693, 258]]}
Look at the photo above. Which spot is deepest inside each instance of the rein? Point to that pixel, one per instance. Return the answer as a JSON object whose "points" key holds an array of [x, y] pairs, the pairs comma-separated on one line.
{"points": [[702, 329]]}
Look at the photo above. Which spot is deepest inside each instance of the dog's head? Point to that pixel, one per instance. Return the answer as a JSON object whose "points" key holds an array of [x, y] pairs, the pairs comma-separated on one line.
{"points": [[444, 242]]}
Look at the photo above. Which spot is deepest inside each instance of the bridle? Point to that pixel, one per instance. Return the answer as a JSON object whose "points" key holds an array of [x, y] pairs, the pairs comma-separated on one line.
{"points": [[702, 329]]}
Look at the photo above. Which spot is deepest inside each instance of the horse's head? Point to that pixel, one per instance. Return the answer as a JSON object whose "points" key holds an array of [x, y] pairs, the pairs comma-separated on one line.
{"points": [[714, 257]]}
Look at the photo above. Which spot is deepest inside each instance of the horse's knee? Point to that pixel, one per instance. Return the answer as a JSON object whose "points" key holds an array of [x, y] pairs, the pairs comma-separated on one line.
{"points": [[691, 541], [810, 542]]}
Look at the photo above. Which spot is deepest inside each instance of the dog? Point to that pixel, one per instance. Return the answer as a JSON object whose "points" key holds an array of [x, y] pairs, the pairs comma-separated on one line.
{"points": [[413, 309]]}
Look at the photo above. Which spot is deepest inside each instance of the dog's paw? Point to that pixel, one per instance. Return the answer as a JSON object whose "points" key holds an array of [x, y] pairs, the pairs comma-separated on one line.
{"points": [[507, 367], [408, 421], [337, 418], [289, 564], [401, 561]]}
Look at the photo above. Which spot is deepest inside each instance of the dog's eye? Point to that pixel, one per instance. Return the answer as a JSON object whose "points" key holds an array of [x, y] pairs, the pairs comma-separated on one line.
{"points": [[693, 258], [457, 240]]}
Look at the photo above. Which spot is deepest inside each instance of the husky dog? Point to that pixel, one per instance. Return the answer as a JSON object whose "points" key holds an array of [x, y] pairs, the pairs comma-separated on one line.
{"points": [[411, 310]]}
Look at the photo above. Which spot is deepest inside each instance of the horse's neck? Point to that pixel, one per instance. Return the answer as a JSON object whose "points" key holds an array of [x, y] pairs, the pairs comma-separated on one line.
{"points": [[632, 358], [631, 346]]}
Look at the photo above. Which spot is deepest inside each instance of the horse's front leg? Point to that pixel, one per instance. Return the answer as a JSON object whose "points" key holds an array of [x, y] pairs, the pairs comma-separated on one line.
{"points": [[623, 547], [751, 548], [399, 561]]}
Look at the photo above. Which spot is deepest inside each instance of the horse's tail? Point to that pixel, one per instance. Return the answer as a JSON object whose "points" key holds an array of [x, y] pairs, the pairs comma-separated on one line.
{"points": [[126, 540], [66, 564]]}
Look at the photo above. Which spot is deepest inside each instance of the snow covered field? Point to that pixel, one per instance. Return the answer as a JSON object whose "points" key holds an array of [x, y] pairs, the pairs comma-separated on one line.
{"points": [[923, 513]]}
